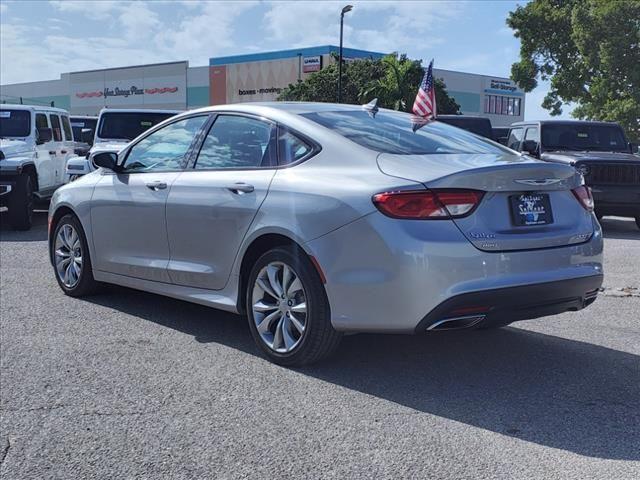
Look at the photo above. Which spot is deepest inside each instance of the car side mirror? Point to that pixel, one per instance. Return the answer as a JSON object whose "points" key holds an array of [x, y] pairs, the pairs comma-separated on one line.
{"points": [[530, 146], [633, 147], [43, 135], [108, 160], [86, 136]]}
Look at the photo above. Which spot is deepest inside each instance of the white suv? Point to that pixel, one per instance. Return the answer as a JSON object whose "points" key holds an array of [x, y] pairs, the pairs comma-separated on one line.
{"points": [[35, 144]]}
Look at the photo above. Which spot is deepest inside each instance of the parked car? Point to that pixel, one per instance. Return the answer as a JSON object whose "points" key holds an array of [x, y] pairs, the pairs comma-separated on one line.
{"points": [[318, 219], [598, 150], [500, 134], [115, 128], [83, 127], [35, 144], [478, 125]]}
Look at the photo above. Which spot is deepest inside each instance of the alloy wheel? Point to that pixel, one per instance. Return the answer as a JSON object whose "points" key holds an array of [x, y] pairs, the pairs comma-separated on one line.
{"points": [[68, 256], [279, 305]]}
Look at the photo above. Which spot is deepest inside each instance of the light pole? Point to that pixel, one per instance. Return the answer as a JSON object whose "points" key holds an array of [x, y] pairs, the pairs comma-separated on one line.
{"points": [[346, 9]]}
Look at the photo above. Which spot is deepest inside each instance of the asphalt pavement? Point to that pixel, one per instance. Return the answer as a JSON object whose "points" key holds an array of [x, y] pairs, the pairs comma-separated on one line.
{"points": [[127, 384]]}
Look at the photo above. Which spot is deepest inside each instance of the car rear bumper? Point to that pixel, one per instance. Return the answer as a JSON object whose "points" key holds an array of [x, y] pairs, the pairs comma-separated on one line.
{"points": [[505, 305], [385, 275]]}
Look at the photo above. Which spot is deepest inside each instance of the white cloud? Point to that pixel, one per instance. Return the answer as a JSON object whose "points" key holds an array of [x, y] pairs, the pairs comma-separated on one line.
{"points": [[533, 105], [99, 10], [3, 7]]}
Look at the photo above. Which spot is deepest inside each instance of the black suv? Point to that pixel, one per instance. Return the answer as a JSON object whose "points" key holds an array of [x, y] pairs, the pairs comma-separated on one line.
{"points": [[598, 150]]}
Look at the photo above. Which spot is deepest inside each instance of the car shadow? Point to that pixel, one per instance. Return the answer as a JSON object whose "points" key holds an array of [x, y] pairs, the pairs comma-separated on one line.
{"points": [[620, 228], [37, 233], [548, 390]]}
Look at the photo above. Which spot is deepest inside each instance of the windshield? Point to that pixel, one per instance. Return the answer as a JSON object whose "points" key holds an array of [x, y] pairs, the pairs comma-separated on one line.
{"points": [[581, 137], [128, 125], [77, 124], [15, 123], [392, 132]]}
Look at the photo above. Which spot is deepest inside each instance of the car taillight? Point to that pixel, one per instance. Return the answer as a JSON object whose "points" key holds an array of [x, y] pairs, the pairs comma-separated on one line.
{"points": [[428, 204], [583, 194]]}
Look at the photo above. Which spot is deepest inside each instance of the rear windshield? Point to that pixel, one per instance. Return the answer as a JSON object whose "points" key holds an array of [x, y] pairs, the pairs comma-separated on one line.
{"points": [[392, 132], [478, 126], [128, 126], [583, 137], [15, 123]]}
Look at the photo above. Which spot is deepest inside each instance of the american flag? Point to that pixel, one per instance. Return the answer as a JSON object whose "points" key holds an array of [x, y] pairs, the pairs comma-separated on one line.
{"points": [[425, 103]]}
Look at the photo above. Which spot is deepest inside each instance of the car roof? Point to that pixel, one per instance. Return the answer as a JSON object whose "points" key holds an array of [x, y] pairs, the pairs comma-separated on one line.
{"points": [[138, 110], [32, 108], [561, 122], [85, 117]]}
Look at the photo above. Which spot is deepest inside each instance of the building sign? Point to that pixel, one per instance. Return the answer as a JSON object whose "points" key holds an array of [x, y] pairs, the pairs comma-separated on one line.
{"points": [[146, 86], [505, 85], [126, 92], [312, 64]]}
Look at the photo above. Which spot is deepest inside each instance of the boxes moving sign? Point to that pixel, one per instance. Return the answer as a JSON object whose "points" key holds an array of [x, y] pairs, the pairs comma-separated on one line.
{"points": [[312, 64]]}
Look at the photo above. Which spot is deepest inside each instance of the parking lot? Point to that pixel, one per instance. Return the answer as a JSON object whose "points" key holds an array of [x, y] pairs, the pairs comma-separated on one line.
{"points": [[132, 385]]}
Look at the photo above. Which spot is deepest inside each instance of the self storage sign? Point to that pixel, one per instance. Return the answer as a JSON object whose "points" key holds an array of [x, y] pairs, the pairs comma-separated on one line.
{"points": [[312, 64]]}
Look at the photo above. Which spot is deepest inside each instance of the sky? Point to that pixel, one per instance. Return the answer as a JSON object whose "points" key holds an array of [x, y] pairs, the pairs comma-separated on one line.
{"points": [[39, 40]]}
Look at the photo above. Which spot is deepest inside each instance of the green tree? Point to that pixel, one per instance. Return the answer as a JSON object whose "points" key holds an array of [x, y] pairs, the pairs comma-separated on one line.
{"points": [[394, 80], [589, 50]]}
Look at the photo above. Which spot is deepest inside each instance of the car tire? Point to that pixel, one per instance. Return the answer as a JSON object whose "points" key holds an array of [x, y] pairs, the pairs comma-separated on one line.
{"points": [[298, 329], [20, 203], [71, 259]]}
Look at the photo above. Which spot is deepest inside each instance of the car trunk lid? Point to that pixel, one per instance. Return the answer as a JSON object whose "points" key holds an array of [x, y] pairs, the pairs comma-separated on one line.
{"points": [[515, 187]]}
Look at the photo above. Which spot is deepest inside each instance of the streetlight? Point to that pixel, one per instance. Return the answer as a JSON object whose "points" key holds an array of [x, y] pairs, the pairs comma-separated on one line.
{"points": [[346, 9]]}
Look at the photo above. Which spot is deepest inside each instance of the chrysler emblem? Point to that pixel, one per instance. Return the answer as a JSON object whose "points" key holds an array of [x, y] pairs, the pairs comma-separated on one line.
{"points": [[538, 181]]}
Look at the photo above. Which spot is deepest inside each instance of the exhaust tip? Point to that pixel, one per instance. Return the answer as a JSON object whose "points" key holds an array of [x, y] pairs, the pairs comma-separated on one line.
{"points": [[456, 323]]}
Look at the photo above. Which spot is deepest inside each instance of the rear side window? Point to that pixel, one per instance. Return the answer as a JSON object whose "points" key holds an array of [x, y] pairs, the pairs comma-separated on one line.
{"points": [[532, 134], [237, 142], [515, 137], [41, 121], [400, 133], [291, 148], [67, 128], [55, 126]]}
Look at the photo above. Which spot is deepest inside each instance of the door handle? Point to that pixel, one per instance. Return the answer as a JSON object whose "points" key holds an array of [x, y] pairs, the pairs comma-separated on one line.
{"points": [[63, 151], [52, 152], [155, 186], [241, 188]]}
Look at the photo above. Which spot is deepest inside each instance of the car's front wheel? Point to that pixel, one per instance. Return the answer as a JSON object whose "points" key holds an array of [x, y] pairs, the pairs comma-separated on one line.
{"points": [[288, 310], [71, 258]]}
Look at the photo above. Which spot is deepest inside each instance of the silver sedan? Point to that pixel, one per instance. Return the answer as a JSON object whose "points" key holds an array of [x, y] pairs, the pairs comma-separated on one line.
{"points": [[320, 219]]}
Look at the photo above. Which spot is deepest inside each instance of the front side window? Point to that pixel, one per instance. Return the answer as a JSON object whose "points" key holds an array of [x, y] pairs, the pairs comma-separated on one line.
{"points": [[15, 123], [291, 148], [164, 149], [237, 142], [67, 128], [393, 132], [41, 121], [515, 137], [55, 126]]}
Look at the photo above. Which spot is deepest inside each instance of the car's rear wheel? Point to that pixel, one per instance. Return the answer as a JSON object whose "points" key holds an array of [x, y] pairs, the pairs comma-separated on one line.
{"points": [[288, 310], [21, 203], [71, 258]]}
